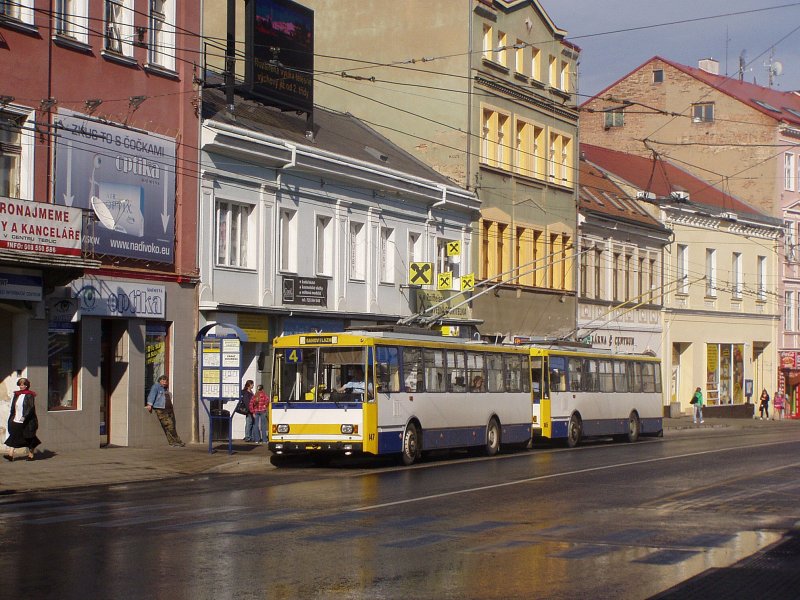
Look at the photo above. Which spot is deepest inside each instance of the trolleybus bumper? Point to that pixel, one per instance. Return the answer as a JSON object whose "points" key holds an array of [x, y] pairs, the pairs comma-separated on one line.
{"points": [[304, 447]]}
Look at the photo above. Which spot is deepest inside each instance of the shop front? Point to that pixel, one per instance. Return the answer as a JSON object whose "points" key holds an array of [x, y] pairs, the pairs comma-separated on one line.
{"points": [[789, 379]]}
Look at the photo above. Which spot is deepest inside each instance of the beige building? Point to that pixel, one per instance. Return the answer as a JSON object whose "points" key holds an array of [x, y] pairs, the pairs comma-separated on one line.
{"points": [[484, 92], [721, 315]]}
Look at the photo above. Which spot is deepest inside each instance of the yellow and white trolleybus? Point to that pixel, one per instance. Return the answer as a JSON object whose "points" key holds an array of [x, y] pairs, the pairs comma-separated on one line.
{"points": [[422, 392], [583, 392]]}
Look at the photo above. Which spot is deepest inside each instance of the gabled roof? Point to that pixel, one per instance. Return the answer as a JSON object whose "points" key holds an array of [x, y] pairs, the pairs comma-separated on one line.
{"points": [[776, 104], [338, 133], [661, 177], [598, 194]]}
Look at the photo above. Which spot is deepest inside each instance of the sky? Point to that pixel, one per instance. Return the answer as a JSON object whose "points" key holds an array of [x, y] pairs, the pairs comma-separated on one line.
{"points": [[683, 33]]}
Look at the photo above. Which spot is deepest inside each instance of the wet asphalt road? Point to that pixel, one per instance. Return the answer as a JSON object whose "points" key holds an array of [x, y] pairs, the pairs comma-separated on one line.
{"points": [[605, 520]]}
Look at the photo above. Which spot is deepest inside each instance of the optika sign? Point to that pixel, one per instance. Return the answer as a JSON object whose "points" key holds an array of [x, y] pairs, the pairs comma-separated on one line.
{"points": [[106, 298], [42, 228]]}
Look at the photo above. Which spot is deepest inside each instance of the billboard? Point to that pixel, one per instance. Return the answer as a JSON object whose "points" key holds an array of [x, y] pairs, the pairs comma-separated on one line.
{"points": [[280, 48], [125, 177], [38, 227]]}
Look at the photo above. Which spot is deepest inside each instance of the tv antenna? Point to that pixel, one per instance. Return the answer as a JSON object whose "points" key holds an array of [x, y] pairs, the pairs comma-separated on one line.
{"points": [[774, 67]]}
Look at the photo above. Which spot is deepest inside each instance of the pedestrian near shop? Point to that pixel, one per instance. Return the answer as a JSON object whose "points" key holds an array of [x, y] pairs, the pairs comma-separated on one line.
{"points": [[243, 408], [22, 421], [160, 400], [778, 404], [763, 404], [258, 406], [697, 402]]}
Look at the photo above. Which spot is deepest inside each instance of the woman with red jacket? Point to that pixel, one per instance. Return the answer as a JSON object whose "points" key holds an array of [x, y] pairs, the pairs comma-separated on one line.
{"points": [[258, 406], [22, 421]]}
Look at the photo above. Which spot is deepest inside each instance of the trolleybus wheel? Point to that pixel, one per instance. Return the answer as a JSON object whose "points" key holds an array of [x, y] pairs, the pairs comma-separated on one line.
{"points": [[492, 438], [634, 427], [411, 446], [574, 431]]}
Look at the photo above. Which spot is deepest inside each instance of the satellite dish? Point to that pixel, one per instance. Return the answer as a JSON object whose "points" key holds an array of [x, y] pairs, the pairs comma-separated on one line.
{"points": [[777, 67], [104, 215]]}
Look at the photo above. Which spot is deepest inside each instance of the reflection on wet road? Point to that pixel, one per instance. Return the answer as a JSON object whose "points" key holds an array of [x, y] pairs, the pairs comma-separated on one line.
{"points": [[605, 520]]}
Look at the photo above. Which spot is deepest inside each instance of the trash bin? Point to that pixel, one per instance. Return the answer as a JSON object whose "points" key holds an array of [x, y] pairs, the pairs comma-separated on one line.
{"points": [[220, 419]]}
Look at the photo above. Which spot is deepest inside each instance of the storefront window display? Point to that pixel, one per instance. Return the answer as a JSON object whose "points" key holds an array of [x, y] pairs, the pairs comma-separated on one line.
{"points": [[62, 373], [725, 373], [156, 344]]}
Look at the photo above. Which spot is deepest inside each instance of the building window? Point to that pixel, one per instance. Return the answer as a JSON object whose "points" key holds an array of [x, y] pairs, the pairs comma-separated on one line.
{"points": [[161, 51], [119, 27], [488, 40], [496, 139], [788, 310], [628, 259], [761, 274], [536, 63], [613, 118], [529, 159], [560, 159], [736, 270], [414, 247], [62, 366], [155, 343], [358, 251], [788, 171], [232, 234], [17, 10], [598, 272], [519, 57], [324, 246], [288, 241], [445, 263], [703, 112], [502, 51], [10, 154], [552, 71], [387, 252], [658, 75], [640, 279], [651, 274], [584, 273], [615, 275], [72, 20], [789, 241], [563, 82], [682, 269], [711, 272]]}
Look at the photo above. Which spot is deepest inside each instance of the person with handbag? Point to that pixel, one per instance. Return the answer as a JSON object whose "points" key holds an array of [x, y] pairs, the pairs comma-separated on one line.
{"points": [[22, 420], [243, 408], [258, 407], [697, 402], [763, 405]]}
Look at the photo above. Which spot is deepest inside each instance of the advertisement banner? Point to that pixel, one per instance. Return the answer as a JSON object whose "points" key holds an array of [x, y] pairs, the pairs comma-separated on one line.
{"points": [[712, 374], [38, 227], [107, 298], [125, 177], [310, 291]]}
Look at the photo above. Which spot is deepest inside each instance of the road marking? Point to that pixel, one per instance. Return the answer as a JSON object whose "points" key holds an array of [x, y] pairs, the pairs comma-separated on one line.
{"points": [[566, 474]]}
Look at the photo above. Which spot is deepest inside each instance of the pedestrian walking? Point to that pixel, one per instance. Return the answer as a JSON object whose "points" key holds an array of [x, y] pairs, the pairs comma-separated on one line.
{"points": [[258, 406], [22, 420], [160, 400], [697, 402], [763, 404], [778, 405], [243, 408]]}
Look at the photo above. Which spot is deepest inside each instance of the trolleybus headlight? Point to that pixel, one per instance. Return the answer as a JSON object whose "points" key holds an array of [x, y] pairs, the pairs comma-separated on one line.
{"points": [[283, 428], [347, 429]]}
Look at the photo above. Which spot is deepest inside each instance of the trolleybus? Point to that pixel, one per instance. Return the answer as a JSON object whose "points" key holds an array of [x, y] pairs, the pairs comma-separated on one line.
{"points": [[422, 392], [585, 392]]}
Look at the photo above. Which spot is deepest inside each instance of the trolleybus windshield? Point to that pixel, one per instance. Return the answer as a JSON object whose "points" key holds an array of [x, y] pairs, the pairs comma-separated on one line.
{"points": [[309, 374]]}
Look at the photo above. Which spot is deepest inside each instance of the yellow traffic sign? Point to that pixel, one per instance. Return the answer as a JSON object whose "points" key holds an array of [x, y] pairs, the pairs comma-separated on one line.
{"points": [[453, 248], [420, 273], [468, 282], [444, 281]]}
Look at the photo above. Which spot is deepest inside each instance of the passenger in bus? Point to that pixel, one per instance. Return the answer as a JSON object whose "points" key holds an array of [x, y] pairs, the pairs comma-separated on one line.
{"points": [[357, 384], [459, 385], [477, 384]]}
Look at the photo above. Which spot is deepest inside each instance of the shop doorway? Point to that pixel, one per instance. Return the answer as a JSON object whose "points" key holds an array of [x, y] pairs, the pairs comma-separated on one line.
{"points": [[112, 366]]}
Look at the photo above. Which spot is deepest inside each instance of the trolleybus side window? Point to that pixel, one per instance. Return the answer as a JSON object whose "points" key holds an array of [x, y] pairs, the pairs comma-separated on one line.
{"points": [[635, 377], [651, 380], [513, 366], [576, 375], [434, 370], [590, 375], [620, 376], [606, 377], [388, 368], [558, 374], [494, 372], [475, 372], [456, 371], [412, 370], [537, 376]]}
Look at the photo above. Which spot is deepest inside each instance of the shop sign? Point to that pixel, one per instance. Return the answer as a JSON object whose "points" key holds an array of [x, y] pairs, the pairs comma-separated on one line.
{"points": [[20, 285], [126, 178], [788, 360], [292, 325], [308, 291], [39, 227], [255, 326], [63, 310], [446, 301], [107, 298]]}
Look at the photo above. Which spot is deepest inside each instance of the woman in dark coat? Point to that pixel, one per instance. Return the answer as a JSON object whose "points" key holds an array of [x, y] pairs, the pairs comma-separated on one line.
{"points": [[22, 421]]}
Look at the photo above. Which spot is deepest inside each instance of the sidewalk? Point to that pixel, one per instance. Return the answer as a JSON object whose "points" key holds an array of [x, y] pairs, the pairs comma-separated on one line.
{"points": [[117, 465]]}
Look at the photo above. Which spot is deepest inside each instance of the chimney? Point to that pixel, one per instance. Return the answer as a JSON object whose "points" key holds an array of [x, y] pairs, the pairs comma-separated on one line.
{"points": [[709, 65]]}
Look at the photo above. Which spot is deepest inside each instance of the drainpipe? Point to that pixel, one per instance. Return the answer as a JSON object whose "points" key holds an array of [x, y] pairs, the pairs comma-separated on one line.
{"points": [[438, 202]]}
